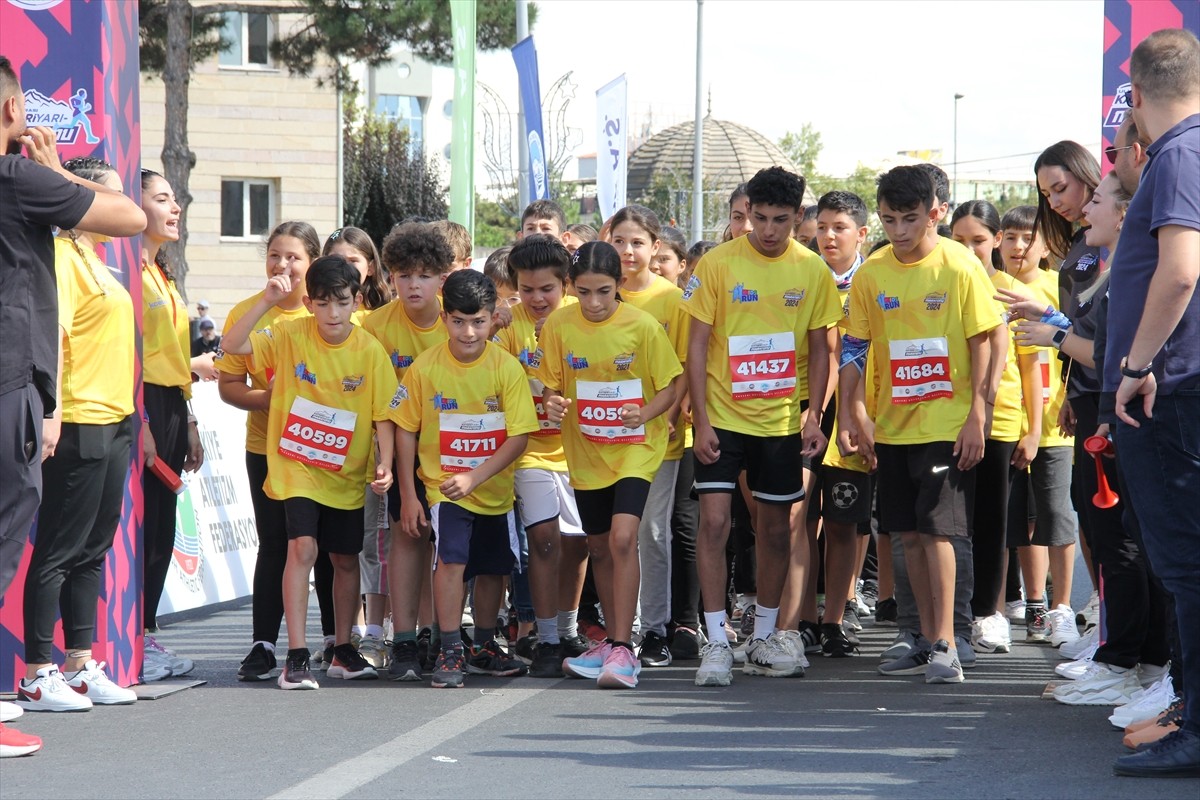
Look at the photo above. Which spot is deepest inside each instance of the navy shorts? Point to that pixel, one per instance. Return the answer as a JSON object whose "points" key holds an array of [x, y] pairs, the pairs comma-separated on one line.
{"points": [[486, 544]]}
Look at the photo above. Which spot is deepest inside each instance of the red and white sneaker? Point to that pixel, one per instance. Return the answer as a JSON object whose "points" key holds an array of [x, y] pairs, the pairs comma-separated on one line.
{"points": [[13, 743], [92, 683], [49, 692]]}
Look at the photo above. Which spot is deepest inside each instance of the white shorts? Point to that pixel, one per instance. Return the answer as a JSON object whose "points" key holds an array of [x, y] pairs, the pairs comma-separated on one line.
{"points": [[543, 495]]}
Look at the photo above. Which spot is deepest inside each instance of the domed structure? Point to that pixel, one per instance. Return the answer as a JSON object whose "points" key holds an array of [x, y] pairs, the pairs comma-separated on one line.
{"points": [[732, 154]]}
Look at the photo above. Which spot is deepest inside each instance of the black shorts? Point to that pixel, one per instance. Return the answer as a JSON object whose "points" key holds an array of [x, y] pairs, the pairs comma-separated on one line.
{"points": [[921, 489], [597, 506], [485, 543], [393, 498], [337, 530], [772, 463], [846, 497], [828, 418]]}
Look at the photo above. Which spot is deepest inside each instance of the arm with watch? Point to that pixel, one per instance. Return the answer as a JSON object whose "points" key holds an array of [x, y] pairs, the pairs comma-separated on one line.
{"points": [[1031, 333]]}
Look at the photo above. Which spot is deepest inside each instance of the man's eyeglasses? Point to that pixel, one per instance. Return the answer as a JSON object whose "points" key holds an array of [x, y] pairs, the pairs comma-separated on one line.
{"points": [[1111, 153]]}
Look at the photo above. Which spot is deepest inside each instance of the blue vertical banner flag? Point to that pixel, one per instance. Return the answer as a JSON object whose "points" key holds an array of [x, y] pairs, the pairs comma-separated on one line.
{"points": [[612, 146], [525, 56], [462, 139]]}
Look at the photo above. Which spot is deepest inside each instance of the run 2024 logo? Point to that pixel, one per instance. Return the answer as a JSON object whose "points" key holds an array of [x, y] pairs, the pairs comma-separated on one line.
{"points": [[66, 118]]}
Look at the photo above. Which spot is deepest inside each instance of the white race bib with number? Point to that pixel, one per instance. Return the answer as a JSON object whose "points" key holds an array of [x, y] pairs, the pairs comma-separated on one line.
{"points": [[545, 426], [317, 435], [599, 404], [920, 370], [762, 366], [468, 440]]}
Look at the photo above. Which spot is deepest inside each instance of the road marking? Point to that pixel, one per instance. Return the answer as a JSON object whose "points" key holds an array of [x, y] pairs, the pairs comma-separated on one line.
{"points": [[346, 776]]}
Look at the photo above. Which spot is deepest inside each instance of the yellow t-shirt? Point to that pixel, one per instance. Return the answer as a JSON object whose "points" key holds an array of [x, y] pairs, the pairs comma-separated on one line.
{"points": [[833, 456], [663, 301], [401, 338], [256, 421], [319, 439], [96, 312], [1008, 415], [601, 366], [1054, 391], [918, 318], [464, 413], [166, 342], [761, 310], [519, 339]]}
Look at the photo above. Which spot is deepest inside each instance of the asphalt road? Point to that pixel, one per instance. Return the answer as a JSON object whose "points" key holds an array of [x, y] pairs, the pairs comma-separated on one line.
{"points": [[841, 731]]}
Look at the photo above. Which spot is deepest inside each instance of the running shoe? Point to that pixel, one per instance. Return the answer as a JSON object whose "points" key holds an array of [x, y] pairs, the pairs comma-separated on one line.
{"points": [[9, 711], [654, 651], [1089, 617], [966, 653], [716, 665], [179, 665], [406, 663], [1015, 610], [1073, 650], [810, 635], [1037, 626], [426, 652], [1157, 699], [297, 674], [915, 662], [1062, 625], [547, 661], [448, 671], [526, 646], [991, 634], [746, 622], [620, 669], [575, 645], [850, 616], [348, 664], [1176, 755], [49, 692], [1107, 686], [867, 596], [92, 683], [886, 611], [155, 667], [793, 641], [374, 650], [14, 744], [900, 647], [834, 642], [258, 665], [490, 659], [589, 663], [771, 657], [943, 666], [685, 644]]}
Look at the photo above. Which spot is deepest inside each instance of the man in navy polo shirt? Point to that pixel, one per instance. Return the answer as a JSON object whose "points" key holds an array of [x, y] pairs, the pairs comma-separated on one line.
{"points": [[1153, 360]]}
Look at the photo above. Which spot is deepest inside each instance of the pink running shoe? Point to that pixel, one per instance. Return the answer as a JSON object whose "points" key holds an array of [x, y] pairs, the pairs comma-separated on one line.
{"points": [[620, 670]]}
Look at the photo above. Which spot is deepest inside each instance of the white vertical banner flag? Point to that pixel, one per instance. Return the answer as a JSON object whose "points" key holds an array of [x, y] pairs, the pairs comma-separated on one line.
{"points": [[612, 150]]}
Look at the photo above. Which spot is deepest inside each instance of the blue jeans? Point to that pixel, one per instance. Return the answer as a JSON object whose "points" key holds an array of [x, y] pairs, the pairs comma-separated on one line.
{"points": [[1161, 465]]}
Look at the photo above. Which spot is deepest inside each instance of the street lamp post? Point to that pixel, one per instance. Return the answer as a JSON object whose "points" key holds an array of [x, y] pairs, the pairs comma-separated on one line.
{"points": [[954, 187]]}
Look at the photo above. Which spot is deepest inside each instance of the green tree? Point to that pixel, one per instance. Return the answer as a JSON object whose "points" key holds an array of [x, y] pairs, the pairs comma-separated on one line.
{"points": [[803, 148], [176, 35], [495, 226]]}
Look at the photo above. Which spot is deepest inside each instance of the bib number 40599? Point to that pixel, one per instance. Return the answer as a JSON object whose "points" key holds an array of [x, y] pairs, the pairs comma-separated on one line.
{"points": [[308, 433]]}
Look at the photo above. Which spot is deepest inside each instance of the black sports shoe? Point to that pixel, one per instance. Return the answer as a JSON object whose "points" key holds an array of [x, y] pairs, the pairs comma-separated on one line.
{"points": [[850, 616], [851, 635], [573, 646], [406, 663], [834, 642], [426, 653], [654, 652], [350, 665], [296, 673], [526, 648], [492, 660], [886, 611], [258, 665], [547, 661], [685, 644], [449, 669]]}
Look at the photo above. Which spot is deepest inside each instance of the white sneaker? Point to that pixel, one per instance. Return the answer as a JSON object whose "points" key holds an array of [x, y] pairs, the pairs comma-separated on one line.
{"points": [[795, 644], [1089, 617], [716, 665], [155, 666], [9, 711], [49, 692], [1108, 686], [1080, 668], [1061, 620], [1156, 700], [992, 634], [178, 664], [1148, 675], [373, 650], [1073, 650], [1015, 610], [92, 683], [772, 657]]}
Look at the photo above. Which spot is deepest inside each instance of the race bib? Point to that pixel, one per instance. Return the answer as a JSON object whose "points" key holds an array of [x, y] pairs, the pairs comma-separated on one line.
{"points": [[545, 426], [468, 440], [762, 366], [317, 435], [599, 404], [920, 370]]}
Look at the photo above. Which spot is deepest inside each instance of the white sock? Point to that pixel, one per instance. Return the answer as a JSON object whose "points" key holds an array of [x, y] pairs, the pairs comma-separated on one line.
{"points": [[764, 621], [547, 631], [357, 629], [375, 630], [568, 624], [714, 622], [269, 645]]}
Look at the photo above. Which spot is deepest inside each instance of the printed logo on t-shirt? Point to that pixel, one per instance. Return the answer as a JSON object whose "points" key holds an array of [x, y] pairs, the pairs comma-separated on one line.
{"points": [[692, 285], [935, 300], [442, 403], [350, 383], [793, 297], [624, 361], [741, 294], [399, 397], [575, 362], [532, 360], [1085, 263], [303, 374], [401, 362], [492, 403], [888, 303], [266, 332]]}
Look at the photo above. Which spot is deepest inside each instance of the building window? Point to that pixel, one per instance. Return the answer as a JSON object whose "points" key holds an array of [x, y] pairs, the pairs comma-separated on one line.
{"points": [[249, 37], [247, 207], [405, 111]]}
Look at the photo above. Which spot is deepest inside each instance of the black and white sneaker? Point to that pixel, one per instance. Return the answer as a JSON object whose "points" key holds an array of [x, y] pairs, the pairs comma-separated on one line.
{"points": [[834, 642], [574, 646], [547, 661], [259, 665], [810, 636], [654, 652], [296, 673], [406, 664], [349, 664]]}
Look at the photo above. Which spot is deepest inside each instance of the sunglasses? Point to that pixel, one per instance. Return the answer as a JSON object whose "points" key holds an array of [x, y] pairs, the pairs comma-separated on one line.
{"points": [[1111, 153]]}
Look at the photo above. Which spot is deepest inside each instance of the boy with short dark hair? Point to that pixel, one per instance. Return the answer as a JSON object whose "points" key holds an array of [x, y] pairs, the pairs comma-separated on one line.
{"points": [[464, 408], [761, 305], [417, 260], [543, 216], [332, 381], [923, 305], [459, 240]]}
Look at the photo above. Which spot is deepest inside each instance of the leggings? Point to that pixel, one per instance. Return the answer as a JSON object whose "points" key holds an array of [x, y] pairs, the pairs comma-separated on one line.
{"points": [[271, 524], [685, 521], [167, 410], [993, 480]]}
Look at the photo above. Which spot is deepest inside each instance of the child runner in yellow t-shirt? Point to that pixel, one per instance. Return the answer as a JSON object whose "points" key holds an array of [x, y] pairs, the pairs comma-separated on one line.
{"points": [[464, 414], [609, 372], [332, 383]]}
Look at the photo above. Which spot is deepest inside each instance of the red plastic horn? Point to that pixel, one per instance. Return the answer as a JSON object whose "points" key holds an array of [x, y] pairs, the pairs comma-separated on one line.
{"points": [[1100, 447]]}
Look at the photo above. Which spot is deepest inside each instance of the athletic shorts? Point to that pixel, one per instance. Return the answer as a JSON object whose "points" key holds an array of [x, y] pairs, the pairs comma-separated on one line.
{"points": [[1042, 495], [336, 530], [921, 489], [543, 495], [372, 561], [485, 543], [597, 506], [772, 464], [393, 498], [846, 497]]}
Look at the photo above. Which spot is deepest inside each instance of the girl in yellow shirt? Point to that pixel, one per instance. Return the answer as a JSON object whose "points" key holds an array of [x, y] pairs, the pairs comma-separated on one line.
{"points": [[608, 370]]}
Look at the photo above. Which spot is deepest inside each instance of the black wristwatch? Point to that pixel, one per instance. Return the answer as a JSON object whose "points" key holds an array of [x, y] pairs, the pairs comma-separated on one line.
{"points": [[1134, 373], [1058, 337]]}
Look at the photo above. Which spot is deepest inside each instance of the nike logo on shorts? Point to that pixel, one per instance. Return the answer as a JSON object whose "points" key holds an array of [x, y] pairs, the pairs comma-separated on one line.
{"points": [[936, 470]]}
